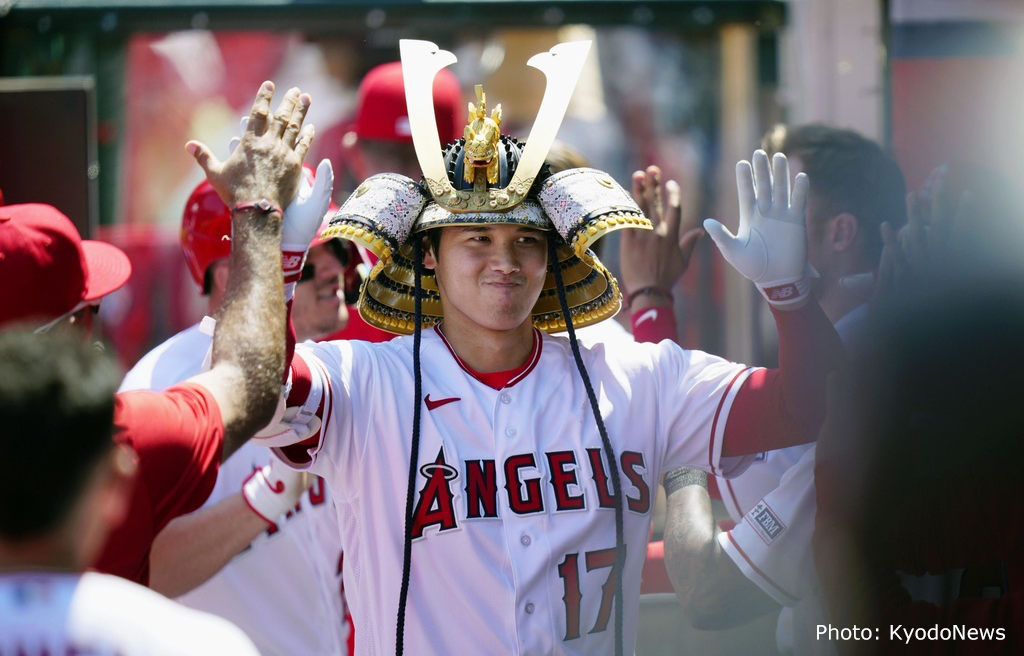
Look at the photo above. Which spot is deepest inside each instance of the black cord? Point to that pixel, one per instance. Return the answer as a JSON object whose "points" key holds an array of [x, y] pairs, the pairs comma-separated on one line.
{"points": [[403, 596], [613, 465]]}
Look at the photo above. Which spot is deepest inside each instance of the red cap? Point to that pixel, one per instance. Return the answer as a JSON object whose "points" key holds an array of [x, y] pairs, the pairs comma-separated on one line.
{"points": [[205, 231], [382, 113], [47, 268]]}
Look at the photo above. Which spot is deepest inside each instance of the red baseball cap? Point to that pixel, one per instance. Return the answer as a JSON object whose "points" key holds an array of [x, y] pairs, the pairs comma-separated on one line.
{"points": [[382, 113], [47, 268]]}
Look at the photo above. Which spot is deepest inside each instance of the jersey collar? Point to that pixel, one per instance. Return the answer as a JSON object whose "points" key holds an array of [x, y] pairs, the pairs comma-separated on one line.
{"points": [[499, 380]]}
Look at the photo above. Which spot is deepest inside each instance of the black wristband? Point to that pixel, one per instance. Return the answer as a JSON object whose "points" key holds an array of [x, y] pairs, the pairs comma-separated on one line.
{"points": [[684, 476], [653, 290]]}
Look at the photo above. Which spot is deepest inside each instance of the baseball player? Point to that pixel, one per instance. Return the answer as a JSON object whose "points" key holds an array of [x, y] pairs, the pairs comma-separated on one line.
{"points": [[178, 436], [56, 511], [259, 511], [532, 460], [765, 560]]}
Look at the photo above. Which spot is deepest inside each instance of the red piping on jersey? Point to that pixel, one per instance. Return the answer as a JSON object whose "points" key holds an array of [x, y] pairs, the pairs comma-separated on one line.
{"points": [[732, 497], [499, 379], [714, 423], [757, 569]]}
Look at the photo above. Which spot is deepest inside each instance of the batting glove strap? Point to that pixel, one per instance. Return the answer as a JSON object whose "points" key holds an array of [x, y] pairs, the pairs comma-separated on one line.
{"points": [[272, 491], [783, 293]]}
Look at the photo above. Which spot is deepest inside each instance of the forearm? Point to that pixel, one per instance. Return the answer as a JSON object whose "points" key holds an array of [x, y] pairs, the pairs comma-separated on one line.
{"points": [[192, 548], [786, 406], [713, 592], [249, 343]]}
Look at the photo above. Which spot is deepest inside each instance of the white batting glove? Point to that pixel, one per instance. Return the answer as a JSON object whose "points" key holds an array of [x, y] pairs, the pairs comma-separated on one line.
{"points": [[302, 219], [770, 247], [274, 489]]}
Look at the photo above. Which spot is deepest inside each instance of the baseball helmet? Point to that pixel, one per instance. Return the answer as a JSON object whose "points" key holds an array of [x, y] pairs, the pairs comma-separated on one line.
{"points": [[205, 231]]}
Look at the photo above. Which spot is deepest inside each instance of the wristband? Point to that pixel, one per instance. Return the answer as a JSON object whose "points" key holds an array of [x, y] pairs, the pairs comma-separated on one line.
{"points": [[653, 290], [682, 477], [262, 206]]}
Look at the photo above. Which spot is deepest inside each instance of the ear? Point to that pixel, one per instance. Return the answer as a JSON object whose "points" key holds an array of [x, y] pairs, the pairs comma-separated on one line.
{"points": [[429, 260], [220, 274], [843, 233], [352, 155]]}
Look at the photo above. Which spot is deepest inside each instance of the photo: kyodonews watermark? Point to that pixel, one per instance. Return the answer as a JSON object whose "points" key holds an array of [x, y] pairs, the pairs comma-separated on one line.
{"points": [[906, 635]]}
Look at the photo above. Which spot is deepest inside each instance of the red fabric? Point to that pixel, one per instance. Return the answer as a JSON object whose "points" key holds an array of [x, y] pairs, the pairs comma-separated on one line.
{"points": [[655, 324], [302, 382], [178, 436], [654, 577], [784, 407]]}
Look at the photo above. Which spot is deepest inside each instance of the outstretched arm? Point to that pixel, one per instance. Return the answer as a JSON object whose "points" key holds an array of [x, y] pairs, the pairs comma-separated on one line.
{"points": [[249, 343], [652, 261], [782, 407], [193, 548]]}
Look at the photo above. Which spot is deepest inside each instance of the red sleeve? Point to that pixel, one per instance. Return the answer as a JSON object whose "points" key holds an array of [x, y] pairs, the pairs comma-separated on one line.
{"points": [[177, 436], [654, 577], [784, 407], [655, 324], [302, 382], [289, 340]]}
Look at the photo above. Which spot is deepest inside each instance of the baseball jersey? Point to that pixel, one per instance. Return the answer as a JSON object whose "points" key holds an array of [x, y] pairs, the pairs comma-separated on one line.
{"points": [[178, 436], [285, 589], [514, 531], [96, 614]]}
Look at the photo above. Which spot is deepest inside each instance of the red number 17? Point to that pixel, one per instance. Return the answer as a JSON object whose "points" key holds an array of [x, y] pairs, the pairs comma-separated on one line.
{"points": [[569, 572]]}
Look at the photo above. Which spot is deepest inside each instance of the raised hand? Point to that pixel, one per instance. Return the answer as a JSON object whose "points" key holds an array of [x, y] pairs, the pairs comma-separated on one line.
{"points": [[655, 259], [770, 246], [268, 159]]}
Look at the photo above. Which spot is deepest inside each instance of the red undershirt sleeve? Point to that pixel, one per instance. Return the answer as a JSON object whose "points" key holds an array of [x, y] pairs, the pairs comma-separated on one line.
{"points": [[783, 407], [655, 324]]}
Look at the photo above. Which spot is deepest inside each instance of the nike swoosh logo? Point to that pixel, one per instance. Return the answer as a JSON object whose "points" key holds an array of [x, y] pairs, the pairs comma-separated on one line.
{"points": [[434, 405], [649, 314]]}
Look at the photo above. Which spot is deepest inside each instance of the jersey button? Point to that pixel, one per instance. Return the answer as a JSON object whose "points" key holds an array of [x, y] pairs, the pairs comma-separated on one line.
{"points": [[506, 399], [530, 608], [525, 540], [511, 432]]}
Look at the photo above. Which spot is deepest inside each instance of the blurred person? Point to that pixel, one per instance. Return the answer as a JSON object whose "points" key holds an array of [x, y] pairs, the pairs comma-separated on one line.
{"points": [[61, 494], [179, 436], [945, 416], [380, 141], [725, 579], [263, 551], [918, 471]]}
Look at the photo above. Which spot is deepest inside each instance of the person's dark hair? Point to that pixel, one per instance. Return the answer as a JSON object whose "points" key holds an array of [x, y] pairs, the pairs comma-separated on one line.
{"points": [[56, 421], [433, 237], [848, 173]]}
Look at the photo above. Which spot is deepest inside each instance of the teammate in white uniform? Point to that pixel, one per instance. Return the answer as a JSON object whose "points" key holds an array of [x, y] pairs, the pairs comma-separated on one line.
{"points": [[855, 187], [297, 606], [512, 523], [47, 537]]}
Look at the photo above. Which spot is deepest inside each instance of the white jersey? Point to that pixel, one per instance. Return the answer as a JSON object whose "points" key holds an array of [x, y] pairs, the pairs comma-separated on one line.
{"points": [[91, 614], [285, 589], [514, 531], [772, 547], [168, 364]]}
